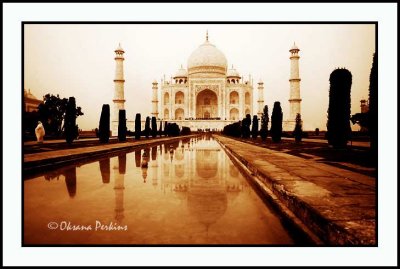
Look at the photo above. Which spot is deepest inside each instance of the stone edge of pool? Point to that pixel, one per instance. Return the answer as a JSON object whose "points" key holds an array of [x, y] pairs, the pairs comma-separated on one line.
{"points": [[308, 219]]}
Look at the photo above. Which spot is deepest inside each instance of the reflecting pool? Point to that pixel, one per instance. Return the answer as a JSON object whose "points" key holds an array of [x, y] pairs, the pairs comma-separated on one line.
{"points": [[184, 192]]}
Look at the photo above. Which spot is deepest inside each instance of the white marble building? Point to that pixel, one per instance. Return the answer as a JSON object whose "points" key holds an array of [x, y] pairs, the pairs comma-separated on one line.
{"points": [[206, 95]]}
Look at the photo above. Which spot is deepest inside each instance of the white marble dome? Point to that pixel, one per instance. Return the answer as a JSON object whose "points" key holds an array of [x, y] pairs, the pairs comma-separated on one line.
{"points": [[207, 55], [232, 72], [181, 73]]}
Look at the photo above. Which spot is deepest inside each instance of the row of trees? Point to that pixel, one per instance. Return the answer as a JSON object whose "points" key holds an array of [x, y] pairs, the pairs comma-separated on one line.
{"points": [[58, 116], [242, 128], [338, 124], [150, 129]]}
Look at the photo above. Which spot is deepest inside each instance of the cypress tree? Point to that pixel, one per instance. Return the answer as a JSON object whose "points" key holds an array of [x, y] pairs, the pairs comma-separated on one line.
{"points": [[246, 122], [122, 125], [147, 129], [254, 127], [138, 126], [104, 124], [264, 124], [298, 129], [70, 121], [338, 126], [373, 105], [276, 123], [153, 127], [160, 130]]}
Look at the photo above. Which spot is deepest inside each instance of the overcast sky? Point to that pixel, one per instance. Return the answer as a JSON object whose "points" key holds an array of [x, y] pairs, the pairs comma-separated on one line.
{"points": [[78, 60]]}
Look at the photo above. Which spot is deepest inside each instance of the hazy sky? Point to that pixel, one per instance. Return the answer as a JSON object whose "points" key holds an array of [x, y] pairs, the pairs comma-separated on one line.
{"points": [[78, 60]]}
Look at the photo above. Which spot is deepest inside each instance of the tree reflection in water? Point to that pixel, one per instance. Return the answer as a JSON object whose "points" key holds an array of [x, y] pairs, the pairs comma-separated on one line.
{"points": [[137, 157], [105, 170], [70, 180]]}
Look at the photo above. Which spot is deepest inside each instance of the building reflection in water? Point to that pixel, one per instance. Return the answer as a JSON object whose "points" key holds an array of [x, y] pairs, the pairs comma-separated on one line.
{"points": [[105, 170], [119, 185], [154, 167], [145, 163], [201, 176]]}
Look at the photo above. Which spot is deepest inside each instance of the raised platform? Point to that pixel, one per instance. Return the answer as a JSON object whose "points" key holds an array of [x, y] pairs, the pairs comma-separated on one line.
{"points": [[337, 205]]}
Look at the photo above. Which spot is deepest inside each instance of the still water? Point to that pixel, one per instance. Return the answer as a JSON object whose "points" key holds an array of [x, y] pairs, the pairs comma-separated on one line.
{"points": [[186, 192]]}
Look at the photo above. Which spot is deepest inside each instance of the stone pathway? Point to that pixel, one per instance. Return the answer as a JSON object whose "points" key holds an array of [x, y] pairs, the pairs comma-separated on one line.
{"points": [[338, 205], [40, 160]]}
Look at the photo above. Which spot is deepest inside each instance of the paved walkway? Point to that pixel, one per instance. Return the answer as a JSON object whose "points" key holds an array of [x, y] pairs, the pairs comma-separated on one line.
{"points": [[62, 141], [338, 205], [39, 160]]}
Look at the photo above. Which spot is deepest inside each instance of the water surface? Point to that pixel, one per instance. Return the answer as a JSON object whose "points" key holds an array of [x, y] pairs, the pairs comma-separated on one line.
{"points": [[186, 192]]}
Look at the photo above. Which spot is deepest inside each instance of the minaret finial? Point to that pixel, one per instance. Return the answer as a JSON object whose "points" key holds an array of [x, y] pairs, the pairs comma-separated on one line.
{"points": [[207, 35]]}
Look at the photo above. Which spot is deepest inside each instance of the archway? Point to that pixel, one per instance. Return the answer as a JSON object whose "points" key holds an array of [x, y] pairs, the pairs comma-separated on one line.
{"points": [[179, 114], [166, 98], [234, 114], [179, 98], [206, 105], [166, 114], [234, 98], [247, 112], [247, 98]]}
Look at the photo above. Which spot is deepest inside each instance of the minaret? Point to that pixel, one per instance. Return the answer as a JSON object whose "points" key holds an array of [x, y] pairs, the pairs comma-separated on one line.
{"points": [[154, 112], [118, 88], [119, 178], [260, 99], [294, 80]]}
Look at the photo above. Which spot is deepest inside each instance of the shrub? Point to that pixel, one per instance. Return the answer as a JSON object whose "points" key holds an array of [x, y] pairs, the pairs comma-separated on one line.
{"points": [[122, 125], [138, 126], [70, 121], [373, 105], [185, 131], [153, 127], [298, 129], [264, 124], [104, 124], [147, 128], [276, 122], [338, 126], [232, 129], [172, 129], [254, 127], [246, 122]]}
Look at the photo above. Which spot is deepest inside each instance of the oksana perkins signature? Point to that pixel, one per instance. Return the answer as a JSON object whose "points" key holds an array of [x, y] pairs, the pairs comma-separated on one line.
{"points": [[97, 226]]}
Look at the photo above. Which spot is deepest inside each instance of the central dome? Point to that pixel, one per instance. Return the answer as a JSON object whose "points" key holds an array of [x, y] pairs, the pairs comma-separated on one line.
{"points": [[207, 59]]}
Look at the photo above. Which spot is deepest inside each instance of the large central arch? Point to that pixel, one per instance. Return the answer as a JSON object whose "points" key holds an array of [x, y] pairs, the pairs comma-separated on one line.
{"points": [[206, 105]]}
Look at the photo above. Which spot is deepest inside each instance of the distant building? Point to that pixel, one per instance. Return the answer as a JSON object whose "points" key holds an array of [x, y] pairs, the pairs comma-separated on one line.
{"points": [[364, 106], [31, 103]]}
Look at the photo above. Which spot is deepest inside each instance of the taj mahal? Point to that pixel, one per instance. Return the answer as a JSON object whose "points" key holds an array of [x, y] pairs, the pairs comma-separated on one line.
{"points": [[208, 94]]}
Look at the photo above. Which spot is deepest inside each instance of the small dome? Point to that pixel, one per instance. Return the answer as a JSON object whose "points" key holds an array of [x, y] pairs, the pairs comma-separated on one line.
{"points": [[181, 73], [207, 55], [119, 48], [294, 47], [233, 73]]}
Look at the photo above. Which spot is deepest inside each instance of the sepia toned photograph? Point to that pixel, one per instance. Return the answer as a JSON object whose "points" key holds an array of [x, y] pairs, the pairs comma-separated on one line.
{"points": [[199, 134]]}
